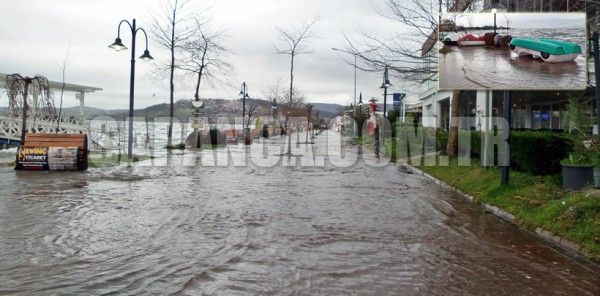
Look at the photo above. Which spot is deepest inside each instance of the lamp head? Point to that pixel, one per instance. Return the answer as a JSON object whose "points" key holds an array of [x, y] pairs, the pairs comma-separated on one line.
{"points": [[198, 104], [386, 81], [146, 56], [118, 45], [244, 90]]}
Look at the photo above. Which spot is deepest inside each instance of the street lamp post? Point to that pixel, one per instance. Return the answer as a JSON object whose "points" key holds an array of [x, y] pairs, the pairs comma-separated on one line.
{"points": [[337, 49], [274, 108], [118, 46], [244, 94], [198, 110], [359, 117], [276, 121], [494, 12], [386, 83], [355, 54]]}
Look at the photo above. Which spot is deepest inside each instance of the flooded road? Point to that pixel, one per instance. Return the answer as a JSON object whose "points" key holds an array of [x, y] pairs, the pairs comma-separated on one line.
{"points": [[478, 67], [278, 230]]}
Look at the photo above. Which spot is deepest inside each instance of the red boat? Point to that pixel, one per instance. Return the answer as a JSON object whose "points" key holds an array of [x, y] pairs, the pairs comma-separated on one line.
{"points": [[471, 40]]}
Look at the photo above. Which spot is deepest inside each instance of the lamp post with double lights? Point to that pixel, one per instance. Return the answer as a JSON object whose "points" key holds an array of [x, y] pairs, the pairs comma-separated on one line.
{"points": [[244, 95], [118, 46]]}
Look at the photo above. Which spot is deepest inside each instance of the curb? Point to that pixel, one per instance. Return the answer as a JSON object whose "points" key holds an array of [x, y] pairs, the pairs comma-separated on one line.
{"points": [[555, 240]]}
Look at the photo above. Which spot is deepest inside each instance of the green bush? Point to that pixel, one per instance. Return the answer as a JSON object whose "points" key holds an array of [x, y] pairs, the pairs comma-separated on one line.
{"points": [[422, 139], [539, 152], [474, 144], [441, 139], [398, 126]]}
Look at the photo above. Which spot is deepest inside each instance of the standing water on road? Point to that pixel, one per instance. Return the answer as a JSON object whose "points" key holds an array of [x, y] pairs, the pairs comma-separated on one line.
{"points": [[169, 225]]}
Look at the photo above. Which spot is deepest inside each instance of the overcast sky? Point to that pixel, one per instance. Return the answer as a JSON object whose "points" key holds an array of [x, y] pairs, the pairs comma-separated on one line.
{"points": [[521, 20], [36, 35]]}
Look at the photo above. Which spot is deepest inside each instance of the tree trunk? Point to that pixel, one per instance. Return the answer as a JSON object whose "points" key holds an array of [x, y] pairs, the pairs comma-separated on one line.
{"points": [[452, 147], [289, 152], [171, 79], [307, 131]]}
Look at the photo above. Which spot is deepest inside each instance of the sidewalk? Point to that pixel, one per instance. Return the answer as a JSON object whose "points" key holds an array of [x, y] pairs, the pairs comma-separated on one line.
{"points": [[569, 247]]}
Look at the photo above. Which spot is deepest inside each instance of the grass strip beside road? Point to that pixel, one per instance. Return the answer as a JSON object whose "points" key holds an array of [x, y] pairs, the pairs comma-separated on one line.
{"points": [[113, 160], [536, 201]]}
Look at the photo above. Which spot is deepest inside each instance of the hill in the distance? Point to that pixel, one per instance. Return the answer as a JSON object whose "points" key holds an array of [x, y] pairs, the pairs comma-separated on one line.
{"points": [[183, 109]]}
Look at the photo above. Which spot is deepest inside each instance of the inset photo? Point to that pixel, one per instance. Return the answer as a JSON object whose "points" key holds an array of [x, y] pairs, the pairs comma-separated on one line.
{"points": [[526, 51]]}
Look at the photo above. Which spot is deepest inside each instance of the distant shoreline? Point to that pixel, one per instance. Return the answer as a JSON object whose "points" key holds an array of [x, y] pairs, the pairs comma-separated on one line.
{"points": [[475, 29]]}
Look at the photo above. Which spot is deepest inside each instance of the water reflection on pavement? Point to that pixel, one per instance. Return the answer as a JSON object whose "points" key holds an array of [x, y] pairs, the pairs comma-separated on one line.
{"points": [[479, 67], [227, 230]]}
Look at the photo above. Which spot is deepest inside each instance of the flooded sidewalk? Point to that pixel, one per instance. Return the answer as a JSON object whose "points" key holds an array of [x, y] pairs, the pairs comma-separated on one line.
{"points": [[481, 67], [251, 230]]}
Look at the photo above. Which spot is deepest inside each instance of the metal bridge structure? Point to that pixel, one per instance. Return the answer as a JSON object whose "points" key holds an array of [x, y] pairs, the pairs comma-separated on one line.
{"points": [[41, 122]]}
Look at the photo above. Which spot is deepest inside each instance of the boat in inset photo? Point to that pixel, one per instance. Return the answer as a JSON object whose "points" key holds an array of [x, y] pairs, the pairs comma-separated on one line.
{"points": [[471, 40], [548, 50]]}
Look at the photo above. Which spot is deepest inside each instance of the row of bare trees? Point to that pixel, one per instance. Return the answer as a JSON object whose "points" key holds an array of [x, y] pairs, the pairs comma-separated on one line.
{"points": [[196, 48], [292, 42]]}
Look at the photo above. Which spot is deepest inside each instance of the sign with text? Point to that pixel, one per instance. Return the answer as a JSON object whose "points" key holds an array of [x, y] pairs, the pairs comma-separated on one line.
{"points": [[32, 158], [47, 158], [55, 152]]}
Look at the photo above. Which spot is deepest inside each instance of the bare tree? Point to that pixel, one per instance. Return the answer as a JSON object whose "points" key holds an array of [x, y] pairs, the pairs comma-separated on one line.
{"points": [[316, 122], [251, 111], [418, 24], [452, 146], [63, 67], [19, 99], [275, 91], [292, 44], [205, 56], [408, 53], [292, 108], [170, 32]]}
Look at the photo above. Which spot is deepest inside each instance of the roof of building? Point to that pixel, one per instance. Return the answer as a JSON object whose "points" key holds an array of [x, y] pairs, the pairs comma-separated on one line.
{"points": [[58, 85]]}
